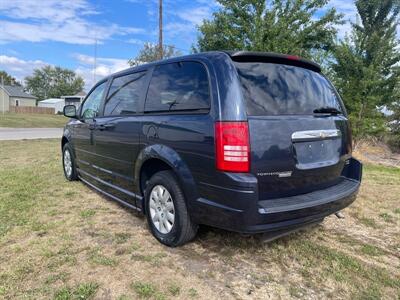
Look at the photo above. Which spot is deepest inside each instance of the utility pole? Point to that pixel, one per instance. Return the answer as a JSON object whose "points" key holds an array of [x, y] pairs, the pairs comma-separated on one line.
{"points": [[160, 37], [95, 58]]}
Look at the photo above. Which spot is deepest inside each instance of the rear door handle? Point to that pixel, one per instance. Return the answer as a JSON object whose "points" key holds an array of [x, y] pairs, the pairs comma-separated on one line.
{"points": [[106, 126]]}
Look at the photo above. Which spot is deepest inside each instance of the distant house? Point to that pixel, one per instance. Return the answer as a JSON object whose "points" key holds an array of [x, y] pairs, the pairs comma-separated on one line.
{"points": [[74, 99], [56, 103], [14, 96]]}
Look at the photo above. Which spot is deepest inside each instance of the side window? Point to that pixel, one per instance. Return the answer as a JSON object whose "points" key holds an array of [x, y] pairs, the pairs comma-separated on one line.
{"points": [[124, 94], [90, 107], [178, 86]]}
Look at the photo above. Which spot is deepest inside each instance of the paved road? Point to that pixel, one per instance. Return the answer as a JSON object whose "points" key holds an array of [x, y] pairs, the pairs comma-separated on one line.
{"points": [[29, 133]]}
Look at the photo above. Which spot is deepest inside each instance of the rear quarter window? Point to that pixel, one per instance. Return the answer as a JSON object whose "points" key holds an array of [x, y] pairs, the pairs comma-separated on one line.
{"points": [[178, 86], [124, 94], [278, 89]]}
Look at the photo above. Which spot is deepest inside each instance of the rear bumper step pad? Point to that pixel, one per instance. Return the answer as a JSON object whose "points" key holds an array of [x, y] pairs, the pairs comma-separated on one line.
{"points": [[339, 191]]}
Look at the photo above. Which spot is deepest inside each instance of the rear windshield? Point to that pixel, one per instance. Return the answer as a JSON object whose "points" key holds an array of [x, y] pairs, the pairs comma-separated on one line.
{"points": [[277, 89]]}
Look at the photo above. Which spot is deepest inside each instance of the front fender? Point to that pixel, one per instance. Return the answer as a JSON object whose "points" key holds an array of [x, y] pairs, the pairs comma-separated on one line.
{"points": [[67, 134], [177, 164]]}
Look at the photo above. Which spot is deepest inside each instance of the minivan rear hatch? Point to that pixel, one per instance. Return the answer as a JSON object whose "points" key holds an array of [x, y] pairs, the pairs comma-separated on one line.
{"points": [[299, 134]]}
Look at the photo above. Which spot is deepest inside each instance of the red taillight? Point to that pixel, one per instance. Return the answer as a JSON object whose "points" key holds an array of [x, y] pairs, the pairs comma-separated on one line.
{"points": [[292, 57], [232, 146]]}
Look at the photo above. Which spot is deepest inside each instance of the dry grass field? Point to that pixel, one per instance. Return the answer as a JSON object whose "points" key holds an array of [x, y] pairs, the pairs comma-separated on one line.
{"points": [[61, 240]]}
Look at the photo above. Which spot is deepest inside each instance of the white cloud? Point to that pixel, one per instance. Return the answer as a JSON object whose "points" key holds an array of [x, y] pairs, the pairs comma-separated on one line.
{"points": [[54, 20], [19, 68], [346, 7], [195, 16], [349, 11], [175, 29], [135, 42], [188, 18], [48, 9], [105, 66]]}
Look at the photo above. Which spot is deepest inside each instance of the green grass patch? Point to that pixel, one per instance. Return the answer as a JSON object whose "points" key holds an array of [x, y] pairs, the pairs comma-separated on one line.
{"points": [[381, 169], [63, 276], [368, 222], [121, 237], [87, 213], [174, 289], [371, 250], [43, 236], [295, 291], [387, 217], [32, 120], [382, 175], [154, 259], [144, 290], [64, 256], [28, 187], [82, 291], [341, 267], [370, 293], [97, 258], [193, 293], [367, 249]]}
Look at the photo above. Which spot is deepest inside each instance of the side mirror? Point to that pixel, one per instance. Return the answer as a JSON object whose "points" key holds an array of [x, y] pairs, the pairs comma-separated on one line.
{"points": [[70, 111]]}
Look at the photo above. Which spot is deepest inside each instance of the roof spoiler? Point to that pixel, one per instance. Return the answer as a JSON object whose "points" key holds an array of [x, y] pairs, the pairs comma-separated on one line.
{"points": [[251, 56]]}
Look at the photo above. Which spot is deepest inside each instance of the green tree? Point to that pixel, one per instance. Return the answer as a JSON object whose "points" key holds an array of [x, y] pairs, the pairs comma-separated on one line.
{"points": [[8, 79], [285, 26], [53, 82], [366, 65], [151, 52], [394, 126]]}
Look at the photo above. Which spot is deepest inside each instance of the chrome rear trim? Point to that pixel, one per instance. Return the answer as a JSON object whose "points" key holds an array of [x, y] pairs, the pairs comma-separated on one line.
{"points": [[310, 135]]}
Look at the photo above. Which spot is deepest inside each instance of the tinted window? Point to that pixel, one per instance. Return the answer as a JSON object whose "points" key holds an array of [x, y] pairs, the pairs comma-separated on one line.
{"points": [[274, 89], [90, 108], [178, 86], [124, 94]]}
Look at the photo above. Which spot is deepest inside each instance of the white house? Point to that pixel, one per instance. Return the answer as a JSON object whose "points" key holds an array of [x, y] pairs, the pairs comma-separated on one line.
{"points": [[56, 103]]}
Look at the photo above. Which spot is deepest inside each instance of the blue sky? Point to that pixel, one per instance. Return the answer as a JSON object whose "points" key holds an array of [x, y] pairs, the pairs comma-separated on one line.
{"points": [[34, 33]]}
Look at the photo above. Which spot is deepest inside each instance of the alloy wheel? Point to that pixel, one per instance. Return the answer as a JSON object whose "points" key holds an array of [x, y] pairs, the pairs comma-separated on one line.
{"points": [[162, 210], [67, 163]]}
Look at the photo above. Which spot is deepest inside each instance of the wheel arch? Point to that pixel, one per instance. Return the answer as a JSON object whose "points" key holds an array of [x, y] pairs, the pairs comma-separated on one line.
{"points": [[64, 140], [155, 158]]}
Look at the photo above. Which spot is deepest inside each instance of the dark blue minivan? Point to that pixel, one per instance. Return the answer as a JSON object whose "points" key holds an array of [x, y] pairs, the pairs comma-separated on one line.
{"points": [[245, 141]]}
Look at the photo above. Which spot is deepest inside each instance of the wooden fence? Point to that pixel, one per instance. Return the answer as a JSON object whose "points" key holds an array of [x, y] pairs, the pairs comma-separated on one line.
{"points": [[32, 110]]}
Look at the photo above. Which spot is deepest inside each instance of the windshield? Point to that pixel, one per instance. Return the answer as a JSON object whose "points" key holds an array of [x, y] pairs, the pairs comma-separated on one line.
{"points": [[278, 89]]}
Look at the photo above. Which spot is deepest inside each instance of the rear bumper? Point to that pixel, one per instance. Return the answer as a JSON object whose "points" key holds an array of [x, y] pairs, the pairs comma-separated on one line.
{"points": [[284, 213]]}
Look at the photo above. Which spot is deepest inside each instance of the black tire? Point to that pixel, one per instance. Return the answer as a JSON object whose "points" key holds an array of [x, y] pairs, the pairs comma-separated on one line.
{"points": [[73, 174], [183, 229]]}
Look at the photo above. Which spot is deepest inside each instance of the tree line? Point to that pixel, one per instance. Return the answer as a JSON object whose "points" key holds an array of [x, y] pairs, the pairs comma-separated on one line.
{"points": [[48, 82], [364, 64]]}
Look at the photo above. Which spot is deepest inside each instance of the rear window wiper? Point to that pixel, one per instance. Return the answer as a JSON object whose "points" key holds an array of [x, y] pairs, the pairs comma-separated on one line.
{"points": [[327, 110]]}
